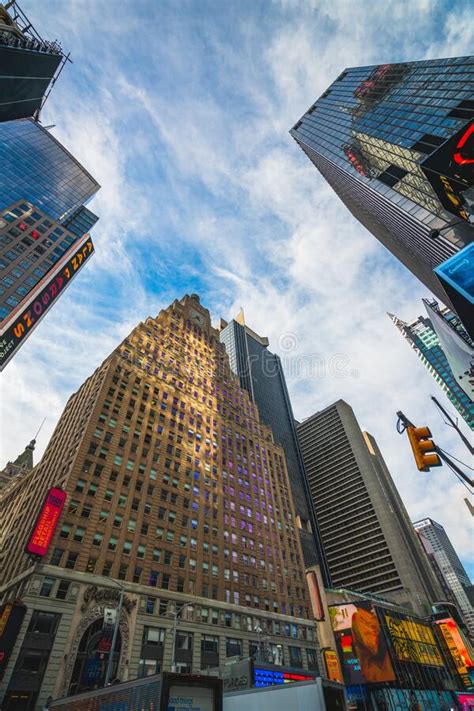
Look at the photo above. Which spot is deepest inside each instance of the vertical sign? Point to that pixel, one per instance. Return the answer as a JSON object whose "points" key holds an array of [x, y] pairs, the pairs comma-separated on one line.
{"points": [[45, 526]]}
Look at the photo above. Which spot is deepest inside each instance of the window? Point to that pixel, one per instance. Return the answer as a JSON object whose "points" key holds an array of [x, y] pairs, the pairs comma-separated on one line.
{"points": [[184, 640], [153, 635], [150, 605], [43, 622], [312, 659], [147, 667], [65, 530], [46, 587], [79, 534], [62, 590], [209, 644], [57, 555], [233, 647], [295, 657]]}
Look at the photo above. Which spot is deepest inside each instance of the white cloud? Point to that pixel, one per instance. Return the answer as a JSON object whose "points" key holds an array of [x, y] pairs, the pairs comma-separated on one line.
{"points": [[185, 125]]}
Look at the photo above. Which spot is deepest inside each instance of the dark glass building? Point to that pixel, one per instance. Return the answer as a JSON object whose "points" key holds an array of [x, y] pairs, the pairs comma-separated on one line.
{"points": [[261, 374], [446, 351], [37, 168], [29, 64], [395, 143]]}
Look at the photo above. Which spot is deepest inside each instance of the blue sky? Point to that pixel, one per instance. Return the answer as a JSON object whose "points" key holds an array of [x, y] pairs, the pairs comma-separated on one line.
{"points": [[181, 110]]}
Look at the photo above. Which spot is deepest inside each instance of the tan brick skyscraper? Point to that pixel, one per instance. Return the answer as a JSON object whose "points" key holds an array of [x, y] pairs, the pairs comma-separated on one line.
{"points": [[173, 483]]}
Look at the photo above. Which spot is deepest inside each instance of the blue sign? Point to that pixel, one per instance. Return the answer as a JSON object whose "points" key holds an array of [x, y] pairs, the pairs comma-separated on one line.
{"points": [[458, 272]]}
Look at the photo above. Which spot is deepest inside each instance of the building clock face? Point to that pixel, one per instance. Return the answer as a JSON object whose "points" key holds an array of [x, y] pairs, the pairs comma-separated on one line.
{"points": [[196, 317]]}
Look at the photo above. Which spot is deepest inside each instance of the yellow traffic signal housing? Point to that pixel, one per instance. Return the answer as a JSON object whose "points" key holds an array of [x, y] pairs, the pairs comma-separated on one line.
{"points": [[424, 449]]}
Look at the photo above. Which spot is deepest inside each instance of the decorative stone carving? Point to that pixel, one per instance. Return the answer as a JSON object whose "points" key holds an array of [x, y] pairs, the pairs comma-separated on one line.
{"points": [[88, 619]]}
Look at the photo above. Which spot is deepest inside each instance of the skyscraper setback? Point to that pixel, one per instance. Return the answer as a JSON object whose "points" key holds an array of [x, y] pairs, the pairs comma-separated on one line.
{"points": [[177, 491], [261, 373], [367, 535], [394, 142]]}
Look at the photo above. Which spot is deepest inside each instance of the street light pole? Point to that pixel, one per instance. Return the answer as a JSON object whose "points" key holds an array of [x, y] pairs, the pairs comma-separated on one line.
{"points": [[176, 615], [108, 673]]}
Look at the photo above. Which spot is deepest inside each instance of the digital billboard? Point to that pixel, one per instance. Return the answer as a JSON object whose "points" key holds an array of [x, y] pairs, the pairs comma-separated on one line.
{"points": [[333, 669], [361, 644], [24, 319], [450, 170], [413, 641], [45, 525], [461, 656]]}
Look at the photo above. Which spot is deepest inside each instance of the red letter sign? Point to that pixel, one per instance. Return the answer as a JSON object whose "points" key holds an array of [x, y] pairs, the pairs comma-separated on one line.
{"points": [[46, 522]]}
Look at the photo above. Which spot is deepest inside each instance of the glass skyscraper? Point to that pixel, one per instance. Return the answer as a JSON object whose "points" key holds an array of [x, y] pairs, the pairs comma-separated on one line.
{"points": [[37, 168], [260, 372], [445, 349], [393, 141]]}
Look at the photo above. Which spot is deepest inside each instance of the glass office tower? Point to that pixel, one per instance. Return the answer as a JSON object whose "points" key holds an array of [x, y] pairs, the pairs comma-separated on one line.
{"points": [[394, 142], [445, 349], [261, 374], [37, 168]]}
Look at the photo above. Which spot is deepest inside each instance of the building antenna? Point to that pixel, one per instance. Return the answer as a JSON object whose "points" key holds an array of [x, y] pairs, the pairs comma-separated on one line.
{"points": [[40, 428]]}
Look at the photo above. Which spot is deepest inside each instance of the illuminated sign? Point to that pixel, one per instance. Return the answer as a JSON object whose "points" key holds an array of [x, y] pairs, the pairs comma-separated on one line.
{"points": [[46, 522], [25, 318], [270, 677], [450, 170], [413, 641], [458, 272], [361, 644], [331, 662], [457, 648], [11, 618]]}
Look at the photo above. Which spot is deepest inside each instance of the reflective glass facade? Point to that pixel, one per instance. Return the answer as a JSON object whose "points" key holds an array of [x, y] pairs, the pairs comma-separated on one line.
{"points": [[392, 141], [37, 168], [261, 374], [423, 338], [80, 221], [31, 244]]}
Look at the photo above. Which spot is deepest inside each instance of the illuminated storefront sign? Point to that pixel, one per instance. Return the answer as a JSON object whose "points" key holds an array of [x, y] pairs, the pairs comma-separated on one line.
{"points": [[457, 647], [333, 669], [270, 677], [450, 170], [413, 641], [22, 321], [362, 648], [46, 522]]}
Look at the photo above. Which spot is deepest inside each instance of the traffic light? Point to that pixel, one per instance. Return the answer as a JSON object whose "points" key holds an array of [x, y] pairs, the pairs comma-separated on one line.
{"points": [[424, 449]]}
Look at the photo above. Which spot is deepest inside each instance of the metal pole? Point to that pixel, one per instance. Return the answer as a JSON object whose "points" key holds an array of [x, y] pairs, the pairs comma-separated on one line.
{"points": [[173, 648], [114, 639], [454, 424]]}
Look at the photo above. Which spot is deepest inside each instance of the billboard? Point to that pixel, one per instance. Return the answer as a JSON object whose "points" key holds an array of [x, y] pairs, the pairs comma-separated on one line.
{"points": [[45, 525], [361, 644], [461, 656], [333, 669], [11, 618], [24, 319], [458, 272], [413, 641], [450, 170]]}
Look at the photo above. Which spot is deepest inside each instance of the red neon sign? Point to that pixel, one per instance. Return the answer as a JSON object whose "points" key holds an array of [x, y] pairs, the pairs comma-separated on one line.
{"points": [[458, 156], [46, 522]]}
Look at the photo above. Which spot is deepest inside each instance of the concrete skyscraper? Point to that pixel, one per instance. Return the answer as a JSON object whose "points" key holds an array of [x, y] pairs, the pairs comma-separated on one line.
{"points": [[446, 350], [261, 373], [395, 143], [177, 492], [450, 566], [368, 538]]}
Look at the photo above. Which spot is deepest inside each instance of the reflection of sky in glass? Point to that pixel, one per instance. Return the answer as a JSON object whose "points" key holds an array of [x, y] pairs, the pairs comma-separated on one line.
{"points": [[37, 168], [396, 103]]}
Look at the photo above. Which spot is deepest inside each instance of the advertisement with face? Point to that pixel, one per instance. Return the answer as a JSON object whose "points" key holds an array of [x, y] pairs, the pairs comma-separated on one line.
{"points": [[362, 649]]}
